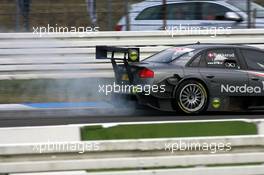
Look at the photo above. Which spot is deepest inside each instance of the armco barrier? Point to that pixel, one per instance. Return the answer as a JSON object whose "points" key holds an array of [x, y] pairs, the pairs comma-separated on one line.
{"points": [[30, 56], [244, 155], [150, 156]]}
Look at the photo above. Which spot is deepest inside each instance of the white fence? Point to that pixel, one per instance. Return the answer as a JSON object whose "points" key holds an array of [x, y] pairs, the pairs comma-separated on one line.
{"points": [[27, 55], [151, 156], [240, 155]]}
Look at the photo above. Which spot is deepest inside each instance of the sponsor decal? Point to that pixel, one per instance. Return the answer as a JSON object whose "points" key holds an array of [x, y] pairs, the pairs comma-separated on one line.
{"points": [[221, 55], [245, 89], [211, 56], [214, 58], [133, 55], [230, 65], [216, 103]]}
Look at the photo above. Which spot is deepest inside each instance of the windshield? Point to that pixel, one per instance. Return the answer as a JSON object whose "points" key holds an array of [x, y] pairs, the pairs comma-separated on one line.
{"points": [[242, 5], [168, 55]]}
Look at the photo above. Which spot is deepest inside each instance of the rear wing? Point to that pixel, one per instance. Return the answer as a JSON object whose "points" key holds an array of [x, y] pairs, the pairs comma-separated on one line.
{"points": [[130, 54], [127, 55]]}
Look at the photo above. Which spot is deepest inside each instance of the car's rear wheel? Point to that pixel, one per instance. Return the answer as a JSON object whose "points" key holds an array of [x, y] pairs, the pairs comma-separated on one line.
{"points": [[191, 97]]}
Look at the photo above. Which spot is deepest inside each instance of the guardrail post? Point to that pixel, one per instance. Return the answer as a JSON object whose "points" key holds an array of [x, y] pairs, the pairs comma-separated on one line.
{"points": [[17, 16], [260, 126], [249, 13], [127, 15], [110, 15], [164, 13]]}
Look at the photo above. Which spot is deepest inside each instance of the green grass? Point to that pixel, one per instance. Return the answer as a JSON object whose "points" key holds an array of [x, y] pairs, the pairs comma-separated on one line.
{"points": [[168, 130]]}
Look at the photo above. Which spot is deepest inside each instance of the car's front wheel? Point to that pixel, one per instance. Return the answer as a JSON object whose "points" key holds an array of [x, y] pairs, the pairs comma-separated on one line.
{"points": [[191, 97]]}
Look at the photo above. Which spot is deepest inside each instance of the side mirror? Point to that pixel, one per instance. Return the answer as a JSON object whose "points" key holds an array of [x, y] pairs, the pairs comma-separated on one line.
{"points": [[232, 16], [231, 64]]}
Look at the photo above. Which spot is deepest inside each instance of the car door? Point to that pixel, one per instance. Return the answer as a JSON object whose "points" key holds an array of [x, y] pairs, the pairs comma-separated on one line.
{"points": [[223, 72], [255, 64]]}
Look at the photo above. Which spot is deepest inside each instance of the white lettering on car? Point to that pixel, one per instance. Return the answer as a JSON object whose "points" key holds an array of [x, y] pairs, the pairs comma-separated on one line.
{"points": [[242, 89]]}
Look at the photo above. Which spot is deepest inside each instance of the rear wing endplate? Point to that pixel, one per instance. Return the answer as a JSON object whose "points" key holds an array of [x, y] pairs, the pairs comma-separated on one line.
{"points": [[129, 55]]}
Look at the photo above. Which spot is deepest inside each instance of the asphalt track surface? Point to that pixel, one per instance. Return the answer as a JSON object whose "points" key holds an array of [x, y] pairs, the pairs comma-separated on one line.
{"points": [[45, 117]]}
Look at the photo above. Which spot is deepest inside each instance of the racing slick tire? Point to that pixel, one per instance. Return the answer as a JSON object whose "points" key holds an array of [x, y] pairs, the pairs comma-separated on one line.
{"points": [[191, 97]]}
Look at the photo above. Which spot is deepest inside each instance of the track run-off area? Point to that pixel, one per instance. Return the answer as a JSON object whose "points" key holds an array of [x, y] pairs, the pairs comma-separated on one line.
{"points": [[43, 114]]}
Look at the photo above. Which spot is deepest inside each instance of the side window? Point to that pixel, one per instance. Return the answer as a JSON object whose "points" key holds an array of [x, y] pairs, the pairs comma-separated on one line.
{"points": [[177, 11], [181, 11], [212, 11], [222, 58], [254, 59], [196, 61], [151, 13]]}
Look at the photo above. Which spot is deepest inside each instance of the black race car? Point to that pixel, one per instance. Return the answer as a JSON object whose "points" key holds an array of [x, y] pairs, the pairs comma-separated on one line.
{"points": [[190, 78]]}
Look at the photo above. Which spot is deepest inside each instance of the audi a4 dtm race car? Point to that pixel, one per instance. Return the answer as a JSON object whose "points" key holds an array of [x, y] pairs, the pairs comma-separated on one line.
{"points": [[190, 78]]}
